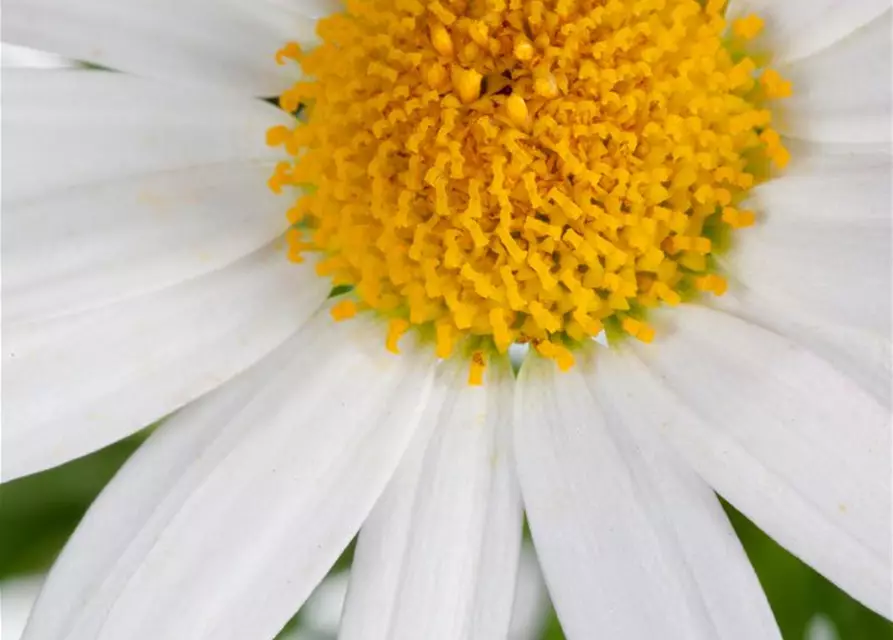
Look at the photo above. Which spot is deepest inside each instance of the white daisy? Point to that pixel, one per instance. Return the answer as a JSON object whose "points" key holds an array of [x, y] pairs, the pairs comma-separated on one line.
{"points": [[144, 275]]}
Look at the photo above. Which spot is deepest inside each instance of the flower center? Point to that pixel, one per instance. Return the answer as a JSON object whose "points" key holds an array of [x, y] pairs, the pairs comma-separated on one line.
{"points": [[492, 171]]}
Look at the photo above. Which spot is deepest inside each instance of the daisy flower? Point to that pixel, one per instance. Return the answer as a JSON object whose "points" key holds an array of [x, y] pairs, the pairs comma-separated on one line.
{"points": [[323, 294]]}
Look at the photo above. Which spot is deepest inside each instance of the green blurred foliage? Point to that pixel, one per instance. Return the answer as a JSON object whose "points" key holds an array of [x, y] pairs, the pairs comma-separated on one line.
{"points": [[38, 513]]}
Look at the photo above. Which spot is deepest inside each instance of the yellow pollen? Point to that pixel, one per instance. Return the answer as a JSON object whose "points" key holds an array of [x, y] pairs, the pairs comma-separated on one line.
{"points": [[479, 33], [557, 352], [713, 283], [344, 310], [441, 40], [476, 371], [638, 329], [396, 329], [467, 84], [748, 28], [738, 219], [774, 85], [446, 335], [523, 50], [290, 51], [517, 112], [502, 172], [544, 84]]}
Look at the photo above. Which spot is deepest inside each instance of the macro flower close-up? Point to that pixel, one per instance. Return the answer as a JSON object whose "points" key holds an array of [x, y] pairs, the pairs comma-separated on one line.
{"points": [[426, 274]]}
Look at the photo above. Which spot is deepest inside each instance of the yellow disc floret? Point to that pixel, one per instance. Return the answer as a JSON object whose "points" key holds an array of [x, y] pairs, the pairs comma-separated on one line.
{"points": [[501, 171]]}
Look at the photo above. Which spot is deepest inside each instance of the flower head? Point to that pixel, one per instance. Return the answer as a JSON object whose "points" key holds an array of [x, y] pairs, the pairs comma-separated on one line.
{"points": [[470, 175], [492, 174]]}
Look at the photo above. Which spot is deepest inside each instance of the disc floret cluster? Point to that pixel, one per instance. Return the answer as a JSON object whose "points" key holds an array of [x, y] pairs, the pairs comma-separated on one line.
{"points": [[490, 172]]}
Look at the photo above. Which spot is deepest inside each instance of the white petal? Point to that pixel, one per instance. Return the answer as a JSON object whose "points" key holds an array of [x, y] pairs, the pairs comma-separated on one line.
{"points": [[829, 182], [69, 127], [17, 596], [632, 543], [823, 243], [79, 382], [863, 356], [843, 94], [798, 28], [222, 524], [227, 43], [96, 244], [321, 614], [14, 56], [439, 554], [531, 607], [793, 444], [808, 156]]}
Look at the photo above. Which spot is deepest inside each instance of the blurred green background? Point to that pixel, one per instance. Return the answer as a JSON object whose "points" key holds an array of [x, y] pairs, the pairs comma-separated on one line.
{"points": [[38, 513]]}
